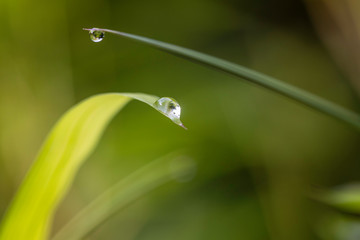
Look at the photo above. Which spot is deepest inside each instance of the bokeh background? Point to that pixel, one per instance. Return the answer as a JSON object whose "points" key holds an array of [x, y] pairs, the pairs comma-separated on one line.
{"points": [[259, 156]]}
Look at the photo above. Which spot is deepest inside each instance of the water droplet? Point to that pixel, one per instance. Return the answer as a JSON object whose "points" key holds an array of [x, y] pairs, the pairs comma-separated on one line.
{"points": [[170, 108], [96, 35]]}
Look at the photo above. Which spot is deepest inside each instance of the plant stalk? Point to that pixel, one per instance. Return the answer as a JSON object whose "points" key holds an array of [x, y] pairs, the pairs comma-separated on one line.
{"points": [[292, 92]]}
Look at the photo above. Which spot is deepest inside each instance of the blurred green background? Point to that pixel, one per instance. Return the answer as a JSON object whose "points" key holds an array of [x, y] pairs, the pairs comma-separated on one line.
{"points": [[259, 156]]}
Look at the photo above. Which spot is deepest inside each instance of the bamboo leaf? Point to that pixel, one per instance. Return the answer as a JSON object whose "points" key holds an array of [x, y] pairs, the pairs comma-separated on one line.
{"points": [[125, 192], [271, 83], [70, 142]]}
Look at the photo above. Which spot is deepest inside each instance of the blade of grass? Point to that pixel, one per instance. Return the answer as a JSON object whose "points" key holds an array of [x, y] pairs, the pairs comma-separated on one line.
{"points": [[271, 83], [68, 145], [124, 192]]}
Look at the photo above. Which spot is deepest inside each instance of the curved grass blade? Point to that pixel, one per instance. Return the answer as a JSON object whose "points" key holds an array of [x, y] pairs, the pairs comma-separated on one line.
{"points": [[271, 83], [124, 192], [70, 142]]}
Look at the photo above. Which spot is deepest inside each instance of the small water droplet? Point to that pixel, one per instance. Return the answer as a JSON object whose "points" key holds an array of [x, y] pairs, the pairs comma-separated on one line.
{"points": [[170, 108], [96, 35]]}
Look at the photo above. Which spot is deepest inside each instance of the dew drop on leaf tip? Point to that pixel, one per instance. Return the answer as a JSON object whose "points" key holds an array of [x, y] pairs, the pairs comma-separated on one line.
{"points": [[170, 108]]}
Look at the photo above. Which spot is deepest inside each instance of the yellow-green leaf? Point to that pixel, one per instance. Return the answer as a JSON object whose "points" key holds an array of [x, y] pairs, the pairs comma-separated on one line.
{"points": [[70, 142]]}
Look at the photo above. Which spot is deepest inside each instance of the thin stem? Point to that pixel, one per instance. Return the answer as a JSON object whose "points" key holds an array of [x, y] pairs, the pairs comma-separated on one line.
{"points": [[271, 83]]}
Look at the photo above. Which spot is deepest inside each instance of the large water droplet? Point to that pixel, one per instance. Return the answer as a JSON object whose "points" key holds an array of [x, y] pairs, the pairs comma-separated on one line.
{"points": [[96, 35], [170, 108]]}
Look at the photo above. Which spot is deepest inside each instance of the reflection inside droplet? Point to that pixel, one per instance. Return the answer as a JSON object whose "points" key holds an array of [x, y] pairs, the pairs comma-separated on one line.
{"points": [[170, 108], [96, 35]]}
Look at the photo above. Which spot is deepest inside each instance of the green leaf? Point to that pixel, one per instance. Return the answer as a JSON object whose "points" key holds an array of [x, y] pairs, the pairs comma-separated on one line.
{"points": [[70, 142], [345, 198], [271, 83], [125, 192]]}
